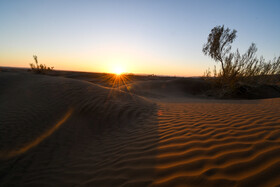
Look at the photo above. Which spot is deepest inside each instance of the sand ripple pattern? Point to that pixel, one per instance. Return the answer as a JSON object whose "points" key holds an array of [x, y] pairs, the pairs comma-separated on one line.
{"points": [[219, 144]]}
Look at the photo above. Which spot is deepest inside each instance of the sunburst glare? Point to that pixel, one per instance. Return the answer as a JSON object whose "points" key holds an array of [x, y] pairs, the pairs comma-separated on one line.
{"points": [[119, 81], [118, 70]]}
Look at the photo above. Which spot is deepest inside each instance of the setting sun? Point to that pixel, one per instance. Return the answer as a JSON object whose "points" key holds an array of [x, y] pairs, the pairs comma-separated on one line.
{"points": [[118, 70]]}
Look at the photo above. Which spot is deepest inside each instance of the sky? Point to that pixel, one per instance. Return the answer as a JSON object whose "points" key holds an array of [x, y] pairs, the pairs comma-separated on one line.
{"points": [[140, 36]]}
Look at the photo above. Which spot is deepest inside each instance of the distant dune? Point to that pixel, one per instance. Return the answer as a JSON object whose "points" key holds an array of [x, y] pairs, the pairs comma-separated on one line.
{"points": [[57, 131]]}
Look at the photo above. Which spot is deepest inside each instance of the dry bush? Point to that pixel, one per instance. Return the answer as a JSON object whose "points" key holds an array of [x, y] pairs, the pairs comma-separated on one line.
{"points": [[39, 68], [237, 68]]}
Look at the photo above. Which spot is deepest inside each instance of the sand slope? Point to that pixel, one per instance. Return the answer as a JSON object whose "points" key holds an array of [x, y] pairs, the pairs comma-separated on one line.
{"points": [[65, 132]]}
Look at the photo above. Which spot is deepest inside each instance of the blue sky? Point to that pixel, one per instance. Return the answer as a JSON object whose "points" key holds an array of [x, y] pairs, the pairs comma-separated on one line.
{"points": [[153, 36]]}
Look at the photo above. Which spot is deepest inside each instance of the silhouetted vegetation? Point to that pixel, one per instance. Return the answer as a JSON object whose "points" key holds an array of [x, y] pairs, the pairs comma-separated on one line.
{"points": [[39, 68], [236, 67]]}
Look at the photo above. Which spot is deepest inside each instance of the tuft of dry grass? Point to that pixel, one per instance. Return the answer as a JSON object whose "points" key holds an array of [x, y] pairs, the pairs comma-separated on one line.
{"points": [[39, 68]]}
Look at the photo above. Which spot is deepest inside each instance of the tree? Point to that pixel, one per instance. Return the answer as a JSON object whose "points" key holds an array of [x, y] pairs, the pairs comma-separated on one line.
{"points": [[236, 67], [218, 45]]}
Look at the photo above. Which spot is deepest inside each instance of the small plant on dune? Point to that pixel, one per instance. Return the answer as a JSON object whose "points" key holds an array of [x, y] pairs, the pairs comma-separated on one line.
{"points": [[235, 67], [39, 68]]}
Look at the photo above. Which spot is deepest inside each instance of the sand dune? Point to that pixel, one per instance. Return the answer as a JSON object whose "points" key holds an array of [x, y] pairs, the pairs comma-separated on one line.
{"points": [[66, 132]]}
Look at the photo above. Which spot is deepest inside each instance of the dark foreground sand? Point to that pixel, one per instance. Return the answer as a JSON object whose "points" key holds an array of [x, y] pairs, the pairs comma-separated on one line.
{"points": [[57, 131]]}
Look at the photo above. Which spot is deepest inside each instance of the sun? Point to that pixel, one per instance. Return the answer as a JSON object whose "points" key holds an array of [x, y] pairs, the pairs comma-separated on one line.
{"points": [[118, 70]]}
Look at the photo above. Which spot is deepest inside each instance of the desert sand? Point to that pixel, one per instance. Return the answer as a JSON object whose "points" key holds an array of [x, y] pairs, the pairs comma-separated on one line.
{"points": [[64, 131]]}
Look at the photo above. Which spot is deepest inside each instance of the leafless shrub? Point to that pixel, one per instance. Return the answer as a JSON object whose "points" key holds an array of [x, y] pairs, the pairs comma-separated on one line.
{"points": [[39, 68]]}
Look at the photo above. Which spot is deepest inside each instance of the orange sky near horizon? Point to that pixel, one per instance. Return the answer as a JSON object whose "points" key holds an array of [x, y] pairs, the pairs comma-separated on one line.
{"points": [[103, 65]]}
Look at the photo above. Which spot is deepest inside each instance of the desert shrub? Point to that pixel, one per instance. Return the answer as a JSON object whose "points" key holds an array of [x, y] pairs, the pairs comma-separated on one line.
{"points": [[236, 68], [39, 68]]}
